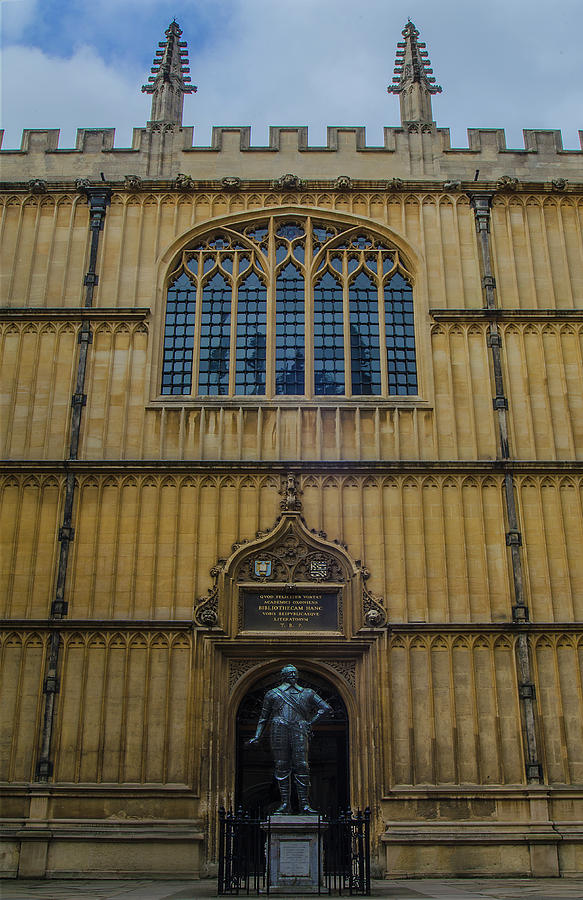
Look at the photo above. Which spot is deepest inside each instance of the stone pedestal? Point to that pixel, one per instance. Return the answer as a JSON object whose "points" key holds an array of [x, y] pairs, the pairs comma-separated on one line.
{"points": [[293, 854]]}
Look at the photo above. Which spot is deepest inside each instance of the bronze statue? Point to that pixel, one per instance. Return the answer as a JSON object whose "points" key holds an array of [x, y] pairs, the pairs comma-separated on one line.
{"points": [[291, 711]]}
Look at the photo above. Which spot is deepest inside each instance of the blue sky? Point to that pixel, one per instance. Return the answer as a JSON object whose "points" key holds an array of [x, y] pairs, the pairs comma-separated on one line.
{"points": [[509, 63]]}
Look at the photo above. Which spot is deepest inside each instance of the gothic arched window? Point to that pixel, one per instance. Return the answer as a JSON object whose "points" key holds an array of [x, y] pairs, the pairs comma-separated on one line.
{"points": [[290, 306]]}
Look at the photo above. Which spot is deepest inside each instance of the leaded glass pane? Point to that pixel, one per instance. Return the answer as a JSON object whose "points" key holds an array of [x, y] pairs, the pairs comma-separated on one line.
{"points": [[328, 337], [364, 336], [251, 336], [179, 337], [289, 332], [215, 336], [400, 336], [290, 230], [355, 261]]}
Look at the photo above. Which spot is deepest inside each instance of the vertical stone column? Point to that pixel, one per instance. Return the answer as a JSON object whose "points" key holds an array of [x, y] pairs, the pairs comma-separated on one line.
{"points": [[481, 204], [98, 199]]}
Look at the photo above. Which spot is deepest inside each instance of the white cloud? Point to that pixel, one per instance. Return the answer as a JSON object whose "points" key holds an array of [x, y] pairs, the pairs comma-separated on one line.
{"points": [[68, 93]]}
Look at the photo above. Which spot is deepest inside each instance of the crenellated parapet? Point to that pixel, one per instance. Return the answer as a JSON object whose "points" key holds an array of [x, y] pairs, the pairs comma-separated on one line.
{"points": [[414, 152]]}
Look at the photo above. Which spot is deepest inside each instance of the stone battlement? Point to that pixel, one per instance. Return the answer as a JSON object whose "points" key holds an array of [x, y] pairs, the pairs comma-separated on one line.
{"points": [[418, 151]]}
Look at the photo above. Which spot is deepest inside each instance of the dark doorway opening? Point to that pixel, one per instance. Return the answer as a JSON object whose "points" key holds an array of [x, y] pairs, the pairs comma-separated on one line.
{"points": [[255, 787]]}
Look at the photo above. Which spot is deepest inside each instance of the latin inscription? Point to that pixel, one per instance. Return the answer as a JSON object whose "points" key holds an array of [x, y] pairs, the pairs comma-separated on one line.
{"points": [[290, 611], [294, 859]]}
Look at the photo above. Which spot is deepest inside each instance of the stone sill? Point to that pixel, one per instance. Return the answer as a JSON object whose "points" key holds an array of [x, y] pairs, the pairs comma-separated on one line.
{"points": [[289, 402], [506, 314], [100, 830], [468, 832], [107, 789], [510, 791], [73, 313]]}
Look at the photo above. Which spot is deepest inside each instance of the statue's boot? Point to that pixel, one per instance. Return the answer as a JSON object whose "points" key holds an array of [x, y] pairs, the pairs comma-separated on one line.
{"points": [[303, 788], [284, 785]]}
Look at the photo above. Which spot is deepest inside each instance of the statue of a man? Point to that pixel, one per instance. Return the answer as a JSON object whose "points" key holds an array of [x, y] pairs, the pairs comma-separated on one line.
{"points": [[291, 711]]}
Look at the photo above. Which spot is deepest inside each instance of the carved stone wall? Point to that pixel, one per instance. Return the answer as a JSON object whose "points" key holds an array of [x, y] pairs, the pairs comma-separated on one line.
{"points": [[162, 494]]}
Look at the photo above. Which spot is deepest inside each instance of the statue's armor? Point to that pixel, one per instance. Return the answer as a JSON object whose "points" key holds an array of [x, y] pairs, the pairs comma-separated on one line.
{"points": [[290, 710]]}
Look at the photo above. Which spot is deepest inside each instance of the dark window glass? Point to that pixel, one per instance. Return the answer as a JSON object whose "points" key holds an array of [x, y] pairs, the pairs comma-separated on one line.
{"points": [[321, 234], [364, 336], [290, 231], [213, 377], [400, 336], [289, 332], [362, 241], [328, 337], [179, 337], [256, 234], [251, 336]]}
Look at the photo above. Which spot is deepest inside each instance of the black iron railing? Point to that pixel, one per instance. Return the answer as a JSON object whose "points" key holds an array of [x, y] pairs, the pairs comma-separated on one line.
{"points": [[343, 854], [242, 854], [346, 854]]}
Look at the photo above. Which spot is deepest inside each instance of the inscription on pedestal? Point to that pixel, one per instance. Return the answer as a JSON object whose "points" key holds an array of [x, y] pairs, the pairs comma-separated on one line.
{"points": [[290, 610], [294, 859], [294, 846]]}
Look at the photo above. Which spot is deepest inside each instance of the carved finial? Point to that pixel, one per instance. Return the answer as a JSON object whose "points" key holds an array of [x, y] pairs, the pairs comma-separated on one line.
{"points": [[168, 81], [413, 79], [291, 493]]}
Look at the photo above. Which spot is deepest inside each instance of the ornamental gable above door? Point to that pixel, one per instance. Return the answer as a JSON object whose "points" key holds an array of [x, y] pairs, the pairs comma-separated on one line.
{"points": [[290, 581]]}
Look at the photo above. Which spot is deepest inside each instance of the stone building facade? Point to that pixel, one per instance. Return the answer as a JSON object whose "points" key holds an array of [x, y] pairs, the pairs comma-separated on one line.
{"points": [[346, 381]]}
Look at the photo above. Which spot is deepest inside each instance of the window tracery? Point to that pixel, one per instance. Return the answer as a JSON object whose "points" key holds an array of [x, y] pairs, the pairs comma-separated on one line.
{"points": [[289, 306]]}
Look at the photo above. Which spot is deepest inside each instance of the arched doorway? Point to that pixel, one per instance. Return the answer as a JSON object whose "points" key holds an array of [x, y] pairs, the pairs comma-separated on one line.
{"points": [[255, 787]]}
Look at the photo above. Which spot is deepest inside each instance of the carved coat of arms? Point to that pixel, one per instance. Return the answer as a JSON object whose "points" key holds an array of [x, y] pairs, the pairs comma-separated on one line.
{"points": [[262, 568], [318, 568]]}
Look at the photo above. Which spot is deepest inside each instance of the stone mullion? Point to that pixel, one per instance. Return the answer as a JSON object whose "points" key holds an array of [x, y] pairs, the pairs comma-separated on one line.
{"points": [[481, 204], [235, 284], [455, 738], [167, 724], [33, 251], [98, 199], [145, 717], [561, 713], [570, 418], [103, 712], [121, 762], [67, 253], [12, 760]]}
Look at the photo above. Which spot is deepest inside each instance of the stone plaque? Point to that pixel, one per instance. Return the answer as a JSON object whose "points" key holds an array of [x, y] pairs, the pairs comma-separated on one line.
{"points": [[290, 611], [294, 859], [293, 854]]}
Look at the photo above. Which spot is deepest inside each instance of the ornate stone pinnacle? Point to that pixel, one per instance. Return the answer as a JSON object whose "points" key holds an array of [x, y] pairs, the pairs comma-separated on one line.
{"points": [[291, 494], [168, 81], [413, 79]]}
